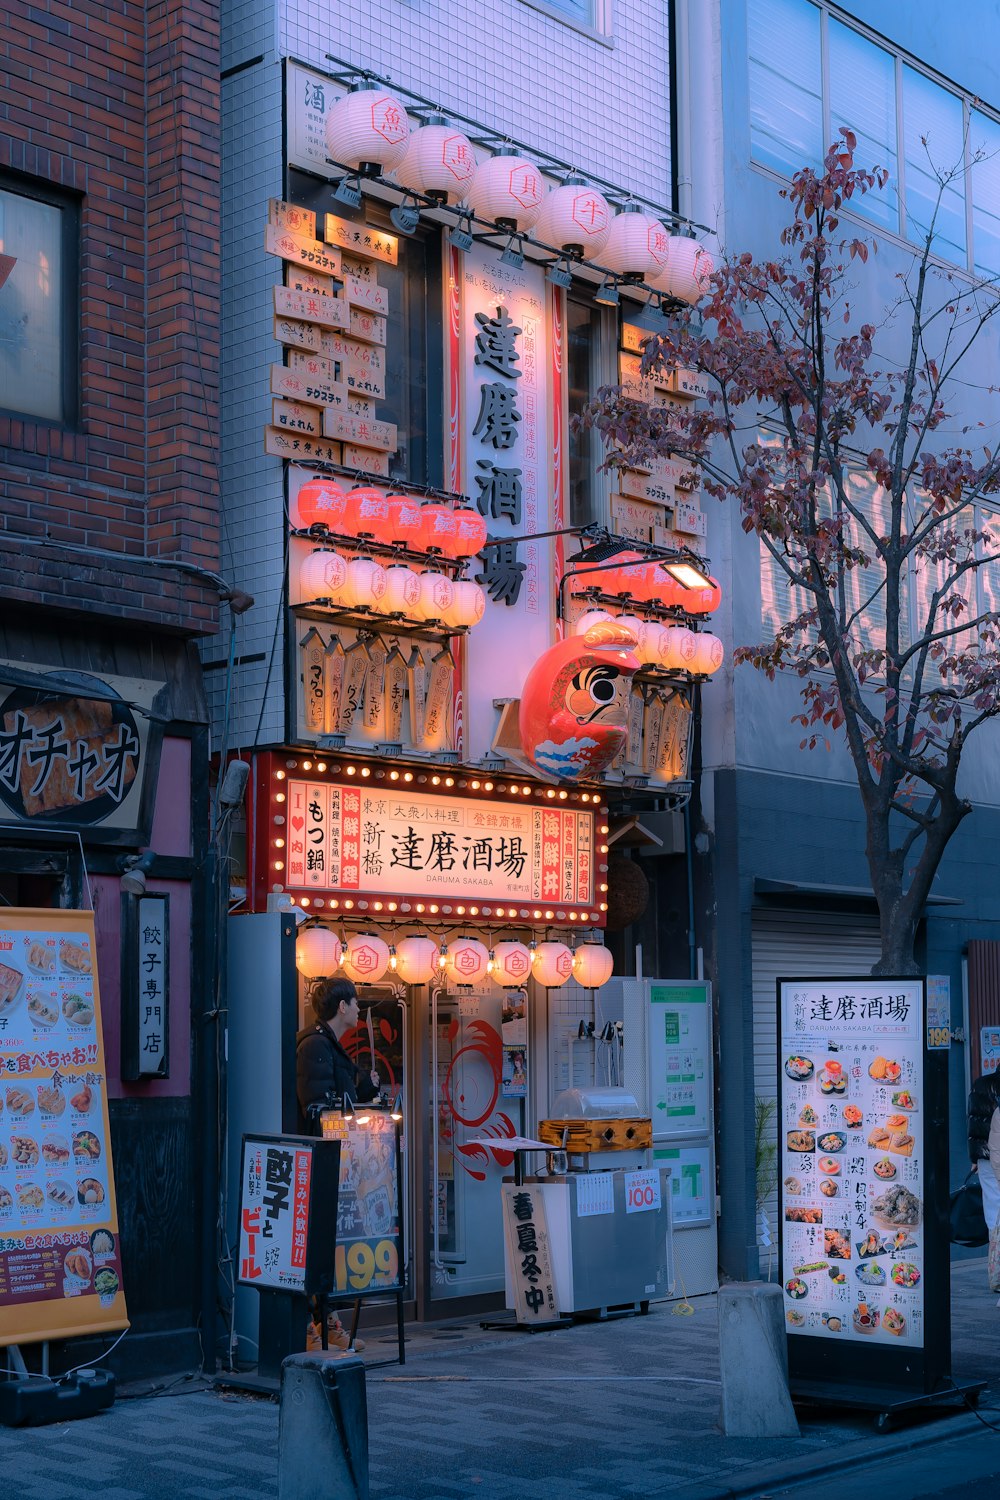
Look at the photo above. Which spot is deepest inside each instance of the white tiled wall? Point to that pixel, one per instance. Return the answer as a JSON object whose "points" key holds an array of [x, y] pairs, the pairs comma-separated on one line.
{"points": [[603, 108]]}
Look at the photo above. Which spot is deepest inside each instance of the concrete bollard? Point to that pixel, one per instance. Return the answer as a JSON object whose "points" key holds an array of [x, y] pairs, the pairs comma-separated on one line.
{"points": [[754, 1361], [323, 1428]]}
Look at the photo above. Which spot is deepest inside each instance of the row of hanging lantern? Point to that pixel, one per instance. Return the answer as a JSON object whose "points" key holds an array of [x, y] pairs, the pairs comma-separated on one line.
{"points": [[368, 131], [673, 647], [670, 584], [366, 958], [368, 515]]}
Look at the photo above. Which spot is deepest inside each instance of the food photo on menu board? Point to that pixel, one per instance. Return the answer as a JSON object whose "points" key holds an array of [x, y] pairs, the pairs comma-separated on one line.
{"points": [[851, 1144], [58, 1224]]}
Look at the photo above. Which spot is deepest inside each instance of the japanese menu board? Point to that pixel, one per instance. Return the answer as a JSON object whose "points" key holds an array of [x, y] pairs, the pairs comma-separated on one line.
{"points": [[852, 1153], [275, 1190], [60, 1263], [369, 1253]]}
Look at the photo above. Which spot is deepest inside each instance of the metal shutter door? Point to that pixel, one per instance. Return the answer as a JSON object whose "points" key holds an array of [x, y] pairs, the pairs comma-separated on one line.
{"points": [[788, 944]]}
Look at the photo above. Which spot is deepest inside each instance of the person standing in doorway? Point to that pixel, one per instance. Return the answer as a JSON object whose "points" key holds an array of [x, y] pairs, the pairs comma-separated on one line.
{"points": [[323, 1069]]}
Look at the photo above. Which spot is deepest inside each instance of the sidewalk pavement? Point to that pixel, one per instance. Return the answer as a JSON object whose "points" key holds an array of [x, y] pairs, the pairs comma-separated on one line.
{"points": [[625, 1410]]}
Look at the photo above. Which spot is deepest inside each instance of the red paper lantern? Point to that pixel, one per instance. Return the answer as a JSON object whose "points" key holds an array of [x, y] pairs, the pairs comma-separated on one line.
{"points": [[322, 502], [368, 514], [438, 530], [703, 601], [406, 522], [622, 579], [469, 534]]}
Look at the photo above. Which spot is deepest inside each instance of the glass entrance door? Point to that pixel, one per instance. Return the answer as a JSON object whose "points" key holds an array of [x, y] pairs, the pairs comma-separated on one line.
{"points": [[469, 1103]]}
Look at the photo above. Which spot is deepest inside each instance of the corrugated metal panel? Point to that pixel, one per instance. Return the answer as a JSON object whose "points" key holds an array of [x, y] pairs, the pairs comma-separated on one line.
{"points": [[984, 996], [788, 944]]}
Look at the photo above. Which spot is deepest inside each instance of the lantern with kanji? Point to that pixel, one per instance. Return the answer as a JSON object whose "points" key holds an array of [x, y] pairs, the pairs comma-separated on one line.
{"points": [[322, 575], [468, 961], [367, 130], [405, 524], [511, 965], [438, 530], [402, 591], [553, 964], [368, 514], [677, 648], [321, 502], [466, 536], [593, 965], [366, 958], [365, 585], [467, 607], [318, 952], [416, 960], [508, 190], [708, 654], [637, 245], [576, 218], [437, 597], [439, 162], [687, 272]]}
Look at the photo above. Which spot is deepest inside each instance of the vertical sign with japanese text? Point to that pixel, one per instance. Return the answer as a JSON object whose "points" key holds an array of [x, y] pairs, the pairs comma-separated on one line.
{"points": [[529, 1262], [275, 1186], [154, 948], [852, 1151], [60, 1256], [505, 421]]}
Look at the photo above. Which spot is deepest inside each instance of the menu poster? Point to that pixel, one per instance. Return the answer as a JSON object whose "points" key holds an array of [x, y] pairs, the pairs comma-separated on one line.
{"points": [[60, 1262], [369, 1253], [852, 1147], [288, 1195]]}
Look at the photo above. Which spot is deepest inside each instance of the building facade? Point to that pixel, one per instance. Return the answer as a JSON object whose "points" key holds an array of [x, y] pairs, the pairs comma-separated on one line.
{"points": [[109, 552]]}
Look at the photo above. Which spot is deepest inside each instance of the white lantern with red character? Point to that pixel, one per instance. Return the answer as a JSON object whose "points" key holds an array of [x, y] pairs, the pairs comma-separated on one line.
{"points": [[637, 245], [322, 575], [508, 190], [318, 952], [593, 965], [468, 961], [365, 585], [402, 591], [437, 597], [687, 272], [368, 131], [366, 958], [439, 162], [416, 960], [511, 965], [708, 654], [553, 964], [468, 605], [576, 218]]}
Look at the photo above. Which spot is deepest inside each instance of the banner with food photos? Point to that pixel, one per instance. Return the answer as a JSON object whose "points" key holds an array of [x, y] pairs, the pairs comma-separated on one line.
{"points": [[60, 1261], [851, 1152]]}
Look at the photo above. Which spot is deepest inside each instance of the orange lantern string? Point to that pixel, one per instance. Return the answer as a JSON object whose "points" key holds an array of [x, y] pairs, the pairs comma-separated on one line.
{"points": [[405, 525], [469, 534], [439, 530], [702, 601], [368, 514]]}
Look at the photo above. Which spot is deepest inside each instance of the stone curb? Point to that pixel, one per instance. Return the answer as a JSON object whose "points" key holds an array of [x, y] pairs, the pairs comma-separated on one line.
{"points": [[767, 1478]]}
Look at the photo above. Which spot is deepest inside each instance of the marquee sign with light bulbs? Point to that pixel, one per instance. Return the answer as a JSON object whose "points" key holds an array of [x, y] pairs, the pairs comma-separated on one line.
{"points": [[357, 839]]}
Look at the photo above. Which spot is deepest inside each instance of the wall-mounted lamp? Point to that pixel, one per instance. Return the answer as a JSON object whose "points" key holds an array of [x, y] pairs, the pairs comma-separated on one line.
{"points": [[513, 252], [348, 190], [135, 868], [396, 1112], [559, 273], [405, 216], [460, 234], [607, 292], [687, 575]]}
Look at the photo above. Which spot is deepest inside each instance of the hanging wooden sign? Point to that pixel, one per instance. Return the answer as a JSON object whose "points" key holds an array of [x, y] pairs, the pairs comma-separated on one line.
{"points": [[652, 729], [359, 430], [356, 670], [416, 673], [313, 682], [351, 353], [302, 251], [361, 270], [395, 692], [633, 734], [367, 326], [437, 710], [360, 406], [309, 281], [673, 752], [302, 449], [366, 294], [363, 381], [300, 222], [294, 416], [361, 239], [302, 387], [328, 312], [366, 460], [374, 714], [333, 685]]}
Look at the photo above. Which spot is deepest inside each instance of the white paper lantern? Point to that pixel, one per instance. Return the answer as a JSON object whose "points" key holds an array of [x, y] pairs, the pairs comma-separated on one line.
{"points": [[633, 623], [416, 960], [368, 129], [575, 217], [437, 596], [318, 952], [708, 653], [650, 643], [402, 591], [511, 965], [590, 617], [553, 964], [366, 958], [365, 585], [688, 269], [323, 575], [439, 162], [467, 607], [592, 965], [468, 961], [637, 246], [677, 648], [507, 189]]}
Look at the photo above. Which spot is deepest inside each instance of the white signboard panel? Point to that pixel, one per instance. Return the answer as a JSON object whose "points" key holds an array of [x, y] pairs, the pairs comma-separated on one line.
{"points": [[274, 1214], [851, 1146], [680, 1051]]}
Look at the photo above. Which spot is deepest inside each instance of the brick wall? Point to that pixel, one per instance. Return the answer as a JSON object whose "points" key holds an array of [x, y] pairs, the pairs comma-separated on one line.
{"points": [[117, 102]]}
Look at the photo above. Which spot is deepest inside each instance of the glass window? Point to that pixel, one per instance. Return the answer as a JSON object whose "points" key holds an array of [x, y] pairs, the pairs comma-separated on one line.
{"points": [[933, 147], [786, 105], [984, 144], [38, 306], [589, 365], [863, 97]]}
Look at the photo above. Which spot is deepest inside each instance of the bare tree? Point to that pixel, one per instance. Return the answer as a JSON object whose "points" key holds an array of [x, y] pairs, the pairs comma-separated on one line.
{"points": [[835, 452]]}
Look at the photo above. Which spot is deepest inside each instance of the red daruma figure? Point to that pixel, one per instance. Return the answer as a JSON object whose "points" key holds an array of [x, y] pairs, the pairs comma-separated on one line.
{"points": [[574, 704]]}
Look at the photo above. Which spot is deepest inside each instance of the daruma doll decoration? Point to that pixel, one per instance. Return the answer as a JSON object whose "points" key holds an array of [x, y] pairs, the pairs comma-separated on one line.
{"points": [[574, 703]]}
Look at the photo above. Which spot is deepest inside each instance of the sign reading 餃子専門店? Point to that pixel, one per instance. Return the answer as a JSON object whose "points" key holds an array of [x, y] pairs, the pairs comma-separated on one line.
{"points": [[60, 1263], [401, 843], [858, 1140]]}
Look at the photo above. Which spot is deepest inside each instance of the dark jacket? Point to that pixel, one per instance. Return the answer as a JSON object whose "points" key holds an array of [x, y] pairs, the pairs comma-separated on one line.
{"points": [[322, 1067], [983, 1100]]}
